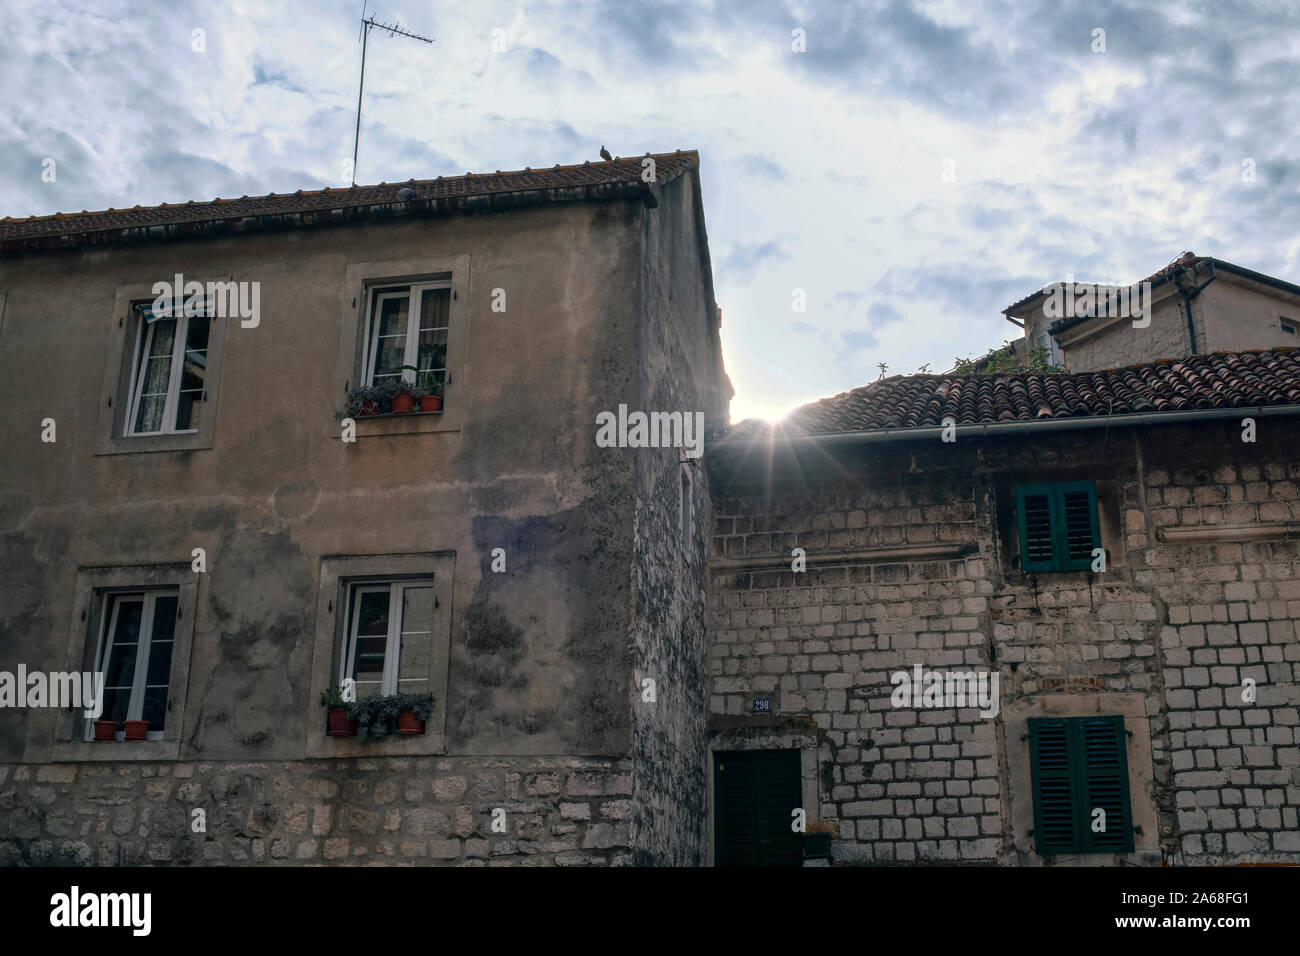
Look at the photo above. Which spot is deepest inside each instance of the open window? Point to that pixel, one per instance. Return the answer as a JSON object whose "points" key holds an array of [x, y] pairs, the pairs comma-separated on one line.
{"points": [[168, 372], [407, 325], [389, 637], [135, 657]]}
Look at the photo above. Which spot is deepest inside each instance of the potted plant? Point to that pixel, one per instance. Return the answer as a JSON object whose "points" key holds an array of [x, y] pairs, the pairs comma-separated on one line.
{"points": [[374, 716], [431, 398], [136, 729], [366, 401], [340, 725], [403, 400], [379, 716], [106, 730], [413, 710], [817, 840]]}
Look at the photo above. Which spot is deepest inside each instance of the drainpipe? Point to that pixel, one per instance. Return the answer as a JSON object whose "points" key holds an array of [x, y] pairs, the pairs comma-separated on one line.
{"points": [[1188, 295]]}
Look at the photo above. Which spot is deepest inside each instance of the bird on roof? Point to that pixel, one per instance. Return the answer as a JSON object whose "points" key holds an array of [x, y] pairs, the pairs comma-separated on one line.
{"points": [[604, 154]]}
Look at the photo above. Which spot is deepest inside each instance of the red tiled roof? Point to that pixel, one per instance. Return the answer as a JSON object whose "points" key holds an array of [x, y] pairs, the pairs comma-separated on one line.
{"points": [[1189, 259], [618, 178], [1222, 380]]}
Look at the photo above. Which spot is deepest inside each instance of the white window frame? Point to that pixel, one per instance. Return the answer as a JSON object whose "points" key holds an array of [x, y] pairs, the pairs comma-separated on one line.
{"points": [[383, 291], [143, 338], [393, 648], [1054, 348], [144, 646]]}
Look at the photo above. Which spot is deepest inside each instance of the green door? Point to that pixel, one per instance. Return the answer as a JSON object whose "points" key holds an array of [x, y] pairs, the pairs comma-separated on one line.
{"points": [[754, 794]]}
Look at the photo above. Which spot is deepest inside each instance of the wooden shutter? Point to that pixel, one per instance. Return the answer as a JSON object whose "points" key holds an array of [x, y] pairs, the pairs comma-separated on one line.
{"points": [[1077, 529], [1080, 765], [1036, 506], [1103, 782], [1058, 526], [1051, 761]]}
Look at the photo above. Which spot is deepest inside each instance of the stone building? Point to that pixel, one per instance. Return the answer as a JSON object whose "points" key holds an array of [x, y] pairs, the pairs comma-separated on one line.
{"points": [[1199, 305], [1118, 548], [636, 653], [199, 529]]}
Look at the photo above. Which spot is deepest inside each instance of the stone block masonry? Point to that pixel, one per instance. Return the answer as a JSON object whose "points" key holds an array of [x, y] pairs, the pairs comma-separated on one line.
{"points": [[385, 811], [912, 558]]}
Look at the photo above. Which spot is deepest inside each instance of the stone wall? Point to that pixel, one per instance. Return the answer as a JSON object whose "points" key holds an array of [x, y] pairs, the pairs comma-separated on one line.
{"points": [[383, 811], [680, 371], [1165, 635]]}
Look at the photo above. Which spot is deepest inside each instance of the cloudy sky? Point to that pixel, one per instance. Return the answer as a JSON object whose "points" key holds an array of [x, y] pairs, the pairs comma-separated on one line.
{"points": [[915, 169]]}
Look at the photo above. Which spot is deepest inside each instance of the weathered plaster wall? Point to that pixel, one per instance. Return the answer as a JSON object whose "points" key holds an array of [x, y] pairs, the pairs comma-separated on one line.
{"points": [[1239, 318], [1119, 343], [279, 490], [1168, 632]]}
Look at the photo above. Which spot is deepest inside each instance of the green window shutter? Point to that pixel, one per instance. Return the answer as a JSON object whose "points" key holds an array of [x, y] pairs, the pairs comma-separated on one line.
{"points": [[1036, 506], [1051, 753], [1058, 526], [1078, 531], [1079, 765], [1103, 782]]}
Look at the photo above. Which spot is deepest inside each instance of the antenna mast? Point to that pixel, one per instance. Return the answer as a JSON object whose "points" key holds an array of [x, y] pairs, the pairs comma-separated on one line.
{"points": [[393, 29]]}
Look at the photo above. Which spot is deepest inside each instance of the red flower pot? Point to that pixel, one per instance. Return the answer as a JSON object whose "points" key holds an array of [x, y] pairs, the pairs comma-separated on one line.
{"points": [[105, 729], [403, 403], [339, 725], [431, 403], [408, 725], [369, 408], [135, 729]]}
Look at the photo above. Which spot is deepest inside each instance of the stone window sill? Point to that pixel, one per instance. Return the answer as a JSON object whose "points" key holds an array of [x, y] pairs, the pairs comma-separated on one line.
{"points": [[394, 745], [91, 750], [406, 423]]}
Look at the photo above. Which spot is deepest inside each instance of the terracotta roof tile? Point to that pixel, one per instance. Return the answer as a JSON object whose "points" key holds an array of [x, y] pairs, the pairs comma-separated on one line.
{"points": [[614, 179], [1217, 381]]}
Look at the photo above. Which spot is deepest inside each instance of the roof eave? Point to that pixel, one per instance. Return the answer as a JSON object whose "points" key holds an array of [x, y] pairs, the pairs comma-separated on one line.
{"points": [[986, 429]]}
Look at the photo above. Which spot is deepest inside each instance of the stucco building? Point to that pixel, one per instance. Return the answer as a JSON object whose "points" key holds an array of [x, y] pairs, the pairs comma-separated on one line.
{"points": [[490, 553], [1199, 304]]}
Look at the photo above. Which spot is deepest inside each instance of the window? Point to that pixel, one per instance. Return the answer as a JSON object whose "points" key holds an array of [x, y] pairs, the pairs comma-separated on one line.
{"points": [[393, 339], [1286, 325], [685, 508], [1058, 526], [168, 372], [1046, 341], [135, 657], [1080, 784], [389, 637]]}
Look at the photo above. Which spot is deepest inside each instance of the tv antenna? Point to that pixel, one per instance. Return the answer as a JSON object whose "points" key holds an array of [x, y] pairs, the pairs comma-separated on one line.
{"points": [[368, 24]]}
